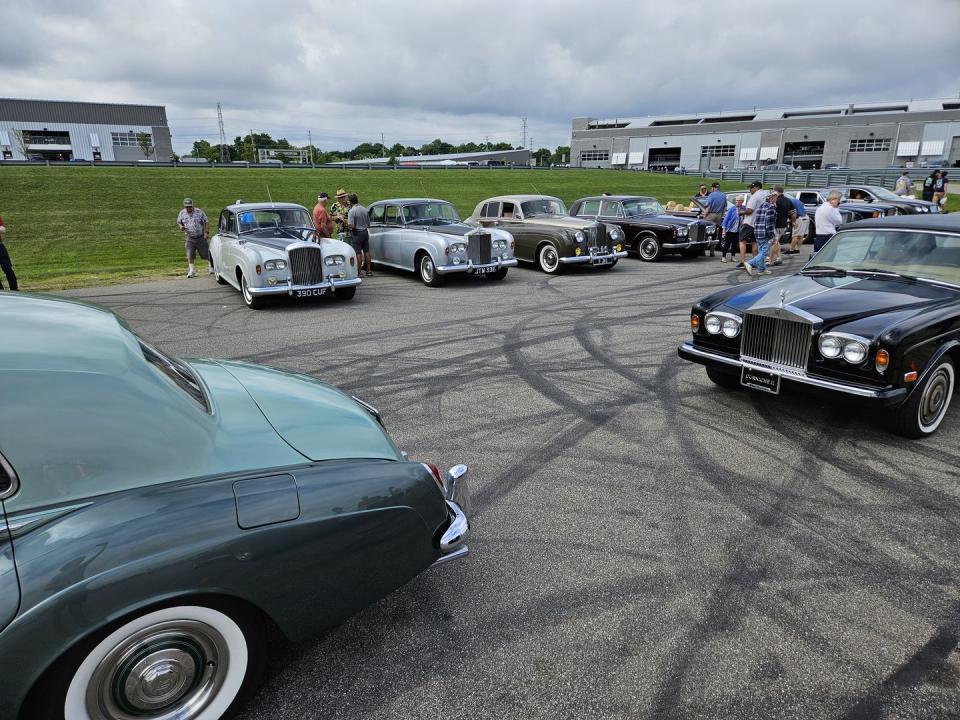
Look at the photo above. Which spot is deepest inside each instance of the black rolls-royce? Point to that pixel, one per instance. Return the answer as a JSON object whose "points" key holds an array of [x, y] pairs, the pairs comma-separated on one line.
{"points": [[649, 232], [874, 315], [878, 194]]}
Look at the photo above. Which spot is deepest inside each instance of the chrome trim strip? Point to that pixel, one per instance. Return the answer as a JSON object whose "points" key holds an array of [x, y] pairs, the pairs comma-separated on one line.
{"points": [[370, 409], [460, 552], [289, 288], [684, 245], [14, 480], [459, 529], [470, 265], [805, 379], [20, 525], [595, 259]]}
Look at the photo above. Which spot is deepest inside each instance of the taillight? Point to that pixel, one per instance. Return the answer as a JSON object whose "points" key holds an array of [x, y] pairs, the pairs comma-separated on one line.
{"points": [[435, 471]]}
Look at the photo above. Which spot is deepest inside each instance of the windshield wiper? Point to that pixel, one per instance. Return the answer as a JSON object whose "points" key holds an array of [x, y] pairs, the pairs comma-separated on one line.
{"points": [[882, 273], [826, 269]]}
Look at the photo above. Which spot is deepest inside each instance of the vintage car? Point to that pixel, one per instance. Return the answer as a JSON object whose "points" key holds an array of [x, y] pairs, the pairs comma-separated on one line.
{"points": [[878, 194], [158, 515], [546, 235], [875, 315], [649, 232], [269, 249], [850, 210], [427, 237]]}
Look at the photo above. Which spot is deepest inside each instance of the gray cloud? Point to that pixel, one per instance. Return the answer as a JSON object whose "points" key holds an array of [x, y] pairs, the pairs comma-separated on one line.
{"points": [[462, 70]]}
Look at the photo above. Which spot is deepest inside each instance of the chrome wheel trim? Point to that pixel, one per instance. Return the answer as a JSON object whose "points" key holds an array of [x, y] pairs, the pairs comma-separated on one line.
{"points": [[247, 295], [648, 248], [183, 663], [935, 399], [549, 260], [426, 268]]}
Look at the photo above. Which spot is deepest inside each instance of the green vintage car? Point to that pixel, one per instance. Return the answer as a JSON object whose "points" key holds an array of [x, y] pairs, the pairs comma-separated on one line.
{"points": [[158, 515]]}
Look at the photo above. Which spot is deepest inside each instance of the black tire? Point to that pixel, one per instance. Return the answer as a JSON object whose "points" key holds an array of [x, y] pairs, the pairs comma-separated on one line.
{"points": [[345, 294], [610, 266], [923, 412], [498, 275], [691, 252], [252, 301], [548, 259], [723, 378], [210, 624], [428, 271], [648, 248]]}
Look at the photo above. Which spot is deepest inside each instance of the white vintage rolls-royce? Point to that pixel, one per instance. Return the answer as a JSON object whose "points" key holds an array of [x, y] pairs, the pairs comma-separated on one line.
{"points": [[265, 249]]}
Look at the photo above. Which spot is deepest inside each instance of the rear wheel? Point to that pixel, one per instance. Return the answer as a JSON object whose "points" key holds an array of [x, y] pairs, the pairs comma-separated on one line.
{"points": [[346, 293], [723, 378], [428, 271], [253, 302], [498, 275], [648, 248], [185, 662], [548, 259], [923, 412]]}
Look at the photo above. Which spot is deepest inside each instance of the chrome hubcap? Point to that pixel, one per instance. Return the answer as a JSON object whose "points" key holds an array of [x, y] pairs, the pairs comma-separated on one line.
{"points": [[935, 397], [648, 248], [549, 258], [169, 671], [247, 295], [426, 268]]}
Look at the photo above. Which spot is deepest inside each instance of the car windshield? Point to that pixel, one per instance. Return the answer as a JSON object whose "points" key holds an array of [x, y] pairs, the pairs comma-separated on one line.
{"points": [[543, 206], [914, 253], [644, 206], [435, 213], [177, 371], [883, 193], [273, 218]]}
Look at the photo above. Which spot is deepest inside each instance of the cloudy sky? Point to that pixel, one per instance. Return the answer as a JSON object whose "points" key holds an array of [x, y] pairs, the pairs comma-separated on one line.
{"points": [[466, 70]]}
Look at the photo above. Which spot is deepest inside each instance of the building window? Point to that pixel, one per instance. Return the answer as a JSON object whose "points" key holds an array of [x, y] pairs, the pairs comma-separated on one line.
{"points": [[126, 139], [594, 155], [870, 145], [718, 151]]}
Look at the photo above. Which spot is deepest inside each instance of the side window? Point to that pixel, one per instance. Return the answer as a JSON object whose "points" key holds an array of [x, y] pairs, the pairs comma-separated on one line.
{"points": [[808, 198], [610, 208], [589, 208], [222, 225], [507, 211], [377, 213], [490, 210], [232, 223], [392, 215]]}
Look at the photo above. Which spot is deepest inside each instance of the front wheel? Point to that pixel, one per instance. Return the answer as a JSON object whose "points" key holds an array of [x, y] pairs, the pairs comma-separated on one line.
{"points": [[724, 379], [649, 248], [498, 275], [428, 271], [253, 302], [346, 293], [548, 259], [923, 412], [189, 662]]}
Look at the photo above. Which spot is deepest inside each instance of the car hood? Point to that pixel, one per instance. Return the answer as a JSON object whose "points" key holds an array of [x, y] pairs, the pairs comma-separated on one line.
{"points": [[458, 229], [866, 306], [560, 221], [314, 418]]}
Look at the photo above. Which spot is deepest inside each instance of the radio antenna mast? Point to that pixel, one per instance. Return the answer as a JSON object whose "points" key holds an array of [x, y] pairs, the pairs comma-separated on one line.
{"points": [[223, 136]]}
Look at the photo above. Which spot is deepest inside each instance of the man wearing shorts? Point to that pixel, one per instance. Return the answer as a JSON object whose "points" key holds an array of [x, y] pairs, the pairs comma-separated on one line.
{"points": [[196, 232], [358, 221], [801, 227], [755, 200]]}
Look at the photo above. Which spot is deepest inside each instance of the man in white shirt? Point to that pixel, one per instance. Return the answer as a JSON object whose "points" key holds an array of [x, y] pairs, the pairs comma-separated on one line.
{"points": [[904, 185], [826, 220], [757, 197]]}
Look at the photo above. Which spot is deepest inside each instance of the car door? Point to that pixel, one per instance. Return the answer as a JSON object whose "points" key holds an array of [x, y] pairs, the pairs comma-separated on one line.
{"points": [[229, 246], [511, 220], [391, 235], [376, 230], [9, 583]]}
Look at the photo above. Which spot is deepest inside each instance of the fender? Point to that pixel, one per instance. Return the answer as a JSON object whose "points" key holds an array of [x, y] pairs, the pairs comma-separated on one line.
{"points": [[931, 364]]}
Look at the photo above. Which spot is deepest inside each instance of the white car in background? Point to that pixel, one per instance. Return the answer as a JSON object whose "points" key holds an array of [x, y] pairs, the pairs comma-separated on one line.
{"points": [[265, 249]]}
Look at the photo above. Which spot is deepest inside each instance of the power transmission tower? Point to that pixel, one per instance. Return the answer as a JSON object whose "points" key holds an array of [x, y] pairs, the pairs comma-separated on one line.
{"points": [[223, 136], [310, 141], [486, 139], [383, 147], [524, 143]]}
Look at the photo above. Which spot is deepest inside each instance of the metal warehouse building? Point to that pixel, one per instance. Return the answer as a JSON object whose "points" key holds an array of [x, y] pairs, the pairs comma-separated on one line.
{"points": [[56, 130], [873, 135]]}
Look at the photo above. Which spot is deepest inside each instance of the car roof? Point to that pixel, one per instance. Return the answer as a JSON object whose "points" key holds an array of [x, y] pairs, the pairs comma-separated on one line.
{"points": [[518, 198], [411, 201], [942, 223], [238, 206], [617, 197], [57, 334]]}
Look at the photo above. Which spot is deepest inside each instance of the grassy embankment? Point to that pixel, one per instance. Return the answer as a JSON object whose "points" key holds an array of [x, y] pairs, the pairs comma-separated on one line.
{"points": [[76, 226]]}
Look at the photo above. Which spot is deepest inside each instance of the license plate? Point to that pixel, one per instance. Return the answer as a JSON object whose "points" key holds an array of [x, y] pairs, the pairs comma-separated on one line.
{"points": [[483, 270], [312, 292], [760, 380], [602, 261]]}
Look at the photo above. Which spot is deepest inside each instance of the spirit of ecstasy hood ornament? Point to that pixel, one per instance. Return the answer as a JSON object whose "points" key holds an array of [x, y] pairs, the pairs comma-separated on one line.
{"points": [[783, 296]]}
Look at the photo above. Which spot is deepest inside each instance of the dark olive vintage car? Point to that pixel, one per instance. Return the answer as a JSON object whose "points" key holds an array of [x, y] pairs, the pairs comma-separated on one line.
{"points": [[875, 315], [546, 235], [158, 515], [649, 232]]}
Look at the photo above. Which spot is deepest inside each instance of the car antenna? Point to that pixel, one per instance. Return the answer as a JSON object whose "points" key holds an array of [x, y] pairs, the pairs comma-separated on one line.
{"points": [[268, 194]]}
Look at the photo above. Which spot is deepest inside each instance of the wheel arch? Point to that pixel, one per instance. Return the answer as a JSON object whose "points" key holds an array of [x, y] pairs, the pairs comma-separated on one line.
{"points": [[950, 349]]}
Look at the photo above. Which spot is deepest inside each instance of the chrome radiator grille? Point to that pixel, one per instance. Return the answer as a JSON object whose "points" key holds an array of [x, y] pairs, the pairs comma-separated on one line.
{"points": [[601, 236], [478, 248], [776, 341], [696, 232], [306, 265]]}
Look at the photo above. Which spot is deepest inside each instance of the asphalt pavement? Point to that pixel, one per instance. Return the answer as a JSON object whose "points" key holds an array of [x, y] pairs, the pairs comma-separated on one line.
{"points": [[645, 545]]}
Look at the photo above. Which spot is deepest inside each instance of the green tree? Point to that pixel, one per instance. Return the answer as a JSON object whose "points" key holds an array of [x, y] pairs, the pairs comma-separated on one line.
{"points": [[201, 149], [561, 155], [542, 156], [145, 143]]}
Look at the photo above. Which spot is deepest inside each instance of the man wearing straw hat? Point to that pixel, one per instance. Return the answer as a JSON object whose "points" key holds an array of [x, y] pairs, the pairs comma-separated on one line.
{"points": [[339, 211]]}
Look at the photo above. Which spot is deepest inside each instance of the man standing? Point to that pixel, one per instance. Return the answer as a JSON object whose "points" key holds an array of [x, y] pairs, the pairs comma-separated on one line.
{"points": [[801, 226], [939, 189], [731, 230], [321, 218], [358, 221], [716, 204], [338, 211], [904, 185], [196, 232], [785, 218], [756, 199], [5, 263], [764, 227], [826, 220]]}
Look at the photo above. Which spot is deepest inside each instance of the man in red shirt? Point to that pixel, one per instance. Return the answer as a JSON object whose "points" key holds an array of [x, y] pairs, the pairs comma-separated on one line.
{"points": [[321, 218], [5, 263]]}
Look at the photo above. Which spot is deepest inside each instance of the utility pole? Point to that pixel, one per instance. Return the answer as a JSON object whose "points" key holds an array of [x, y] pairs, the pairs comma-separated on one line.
{"points": [[253, 149], [223, 135], [486, 139], [524, 143], [382, 146], [310, 141]]}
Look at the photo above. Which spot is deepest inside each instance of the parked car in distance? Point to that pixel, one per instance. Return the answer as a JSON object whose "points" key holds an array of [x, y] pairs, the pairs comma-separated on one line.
{"points": [[159, 514], [850, 210], [544, 234], [834, 166], [877, 193], [777, 168], [426, 236], [875, 315], [648, 231], [272, 249]]}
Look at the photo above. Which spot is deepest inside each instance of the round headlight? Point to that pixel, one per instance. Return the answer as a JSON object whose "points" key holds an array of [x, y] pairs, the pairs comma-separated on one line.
{"points": [[579, 236], [682, 231], [614, 235], [854, 352], [713, 324], [731, 328], [830, 346]]}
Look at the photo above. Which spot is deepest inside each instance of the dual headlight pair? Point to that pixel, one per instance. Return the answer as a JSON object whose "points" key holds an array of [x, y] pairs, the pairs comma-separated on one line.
{"points": [[457, 248], [334, 260], [499, 244], [681, 231], [723, 324], [851, 348], [275, 265]]}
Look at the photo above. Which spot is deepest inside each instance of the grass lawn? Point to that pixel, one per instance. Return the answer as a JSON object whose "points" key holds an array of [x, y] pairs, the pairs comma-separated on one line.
{"points": [[76, 226]]}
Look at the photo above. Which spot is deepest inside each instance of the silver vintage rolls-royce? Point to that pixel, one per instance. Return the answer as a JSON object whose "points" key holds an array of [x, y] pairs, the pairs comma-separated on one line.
{"points": [[426, 236], [265, 249]]}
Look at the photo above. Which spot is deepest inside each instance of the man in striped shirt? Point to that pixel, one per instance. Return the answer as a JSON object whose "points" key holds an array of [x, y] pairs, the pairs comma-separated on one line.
{"points": [[764, 229]]}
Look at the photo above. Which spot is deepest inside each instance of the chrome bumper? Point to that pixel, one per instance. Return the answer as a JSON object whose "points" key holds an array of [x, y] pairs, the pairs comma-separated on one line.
{"points": [[470, 266], [453, 541], [288, 288], [704, 357], [595, 259], [688, 244]]}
